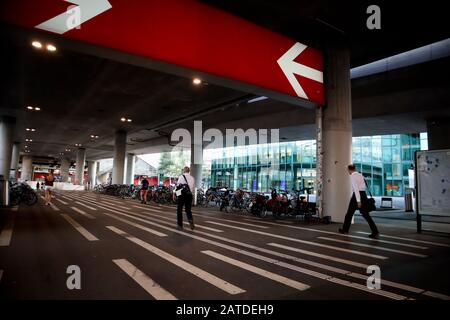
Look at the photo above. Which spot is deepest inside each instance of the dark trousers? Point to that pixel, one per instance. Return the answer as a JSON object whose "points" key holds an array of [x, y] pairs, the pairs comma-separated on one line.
{"points": [[352, 207], [185, 201]]}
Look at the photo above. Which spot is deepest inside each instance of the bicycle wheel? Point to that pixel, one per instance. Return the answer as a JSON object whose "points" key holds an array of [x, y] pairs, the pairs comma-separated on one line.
{"points": [[30, 198]]}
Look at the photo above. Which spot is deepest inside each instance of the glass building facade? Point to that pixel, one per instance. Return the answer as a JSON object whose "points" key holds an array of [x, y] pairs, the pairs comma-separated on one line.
{"points": [[384, 161]]}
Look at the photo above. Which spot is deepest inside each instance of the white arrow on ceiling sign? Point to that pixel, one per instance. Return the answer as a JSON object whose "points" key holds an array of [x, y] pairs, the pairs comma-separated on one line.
{"points": [[71, 19], [291, 68]]}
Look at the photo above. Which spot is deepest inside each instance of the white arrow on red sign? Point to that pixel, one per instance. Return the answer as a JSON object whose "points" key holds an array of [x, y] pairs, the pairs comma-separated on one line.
{"points": [[291, 68], [88, 10]]}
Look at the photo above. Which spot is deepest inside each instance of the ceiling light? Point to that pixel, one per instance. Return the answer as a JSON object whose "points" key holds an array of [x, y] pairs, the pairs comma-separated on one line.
{"points": [[77, 144], [37, 109], [51, 47], [36, 44], [196, 81], [29, 140], [30, 129], [30, 108], [26, 146], [123, 119], [129, 120]]}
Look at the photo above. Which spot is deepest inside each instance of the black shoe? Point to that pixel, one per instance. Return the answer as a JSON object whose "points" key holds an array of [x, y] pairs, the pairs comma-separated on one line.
{"points": [[340, 230], [179, 228], [191, 223], [374, 236]]}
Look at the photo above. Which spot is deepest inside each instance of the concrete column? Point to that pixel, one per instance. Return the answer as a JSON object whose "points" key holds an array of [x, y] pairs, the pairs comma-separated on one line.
{"points": [[92, 173], [79, 172], [7, 125], [129, 179], [119, 157], [438, 134], [337, 134], [14, 161], [64, 170], [27, 168], [196, 164], [236, 177]]}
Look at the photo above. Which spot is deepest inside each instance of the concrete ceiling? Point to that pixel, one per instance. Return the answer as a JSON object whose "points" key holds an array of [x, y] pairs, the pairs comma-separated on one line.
{"points": [[82, 94]]}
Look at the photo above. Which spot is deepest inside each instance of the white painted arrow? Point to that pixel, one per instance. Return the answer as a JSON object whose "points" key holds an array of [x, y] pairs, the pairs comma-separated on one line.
{"points": [[88, 9], [290, 68]]}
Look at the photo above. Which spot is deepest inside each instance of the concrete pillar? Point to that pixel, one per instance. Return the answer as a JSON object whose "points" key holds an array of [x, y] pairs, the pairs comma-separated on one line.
{"points": [[119, 157], [14, 161], [129, 179], [438, 131], [92, 173], [27, 168], [196, 164], [7, 125], [236, 177], [79, 172], [64, 170], [337, 134]]}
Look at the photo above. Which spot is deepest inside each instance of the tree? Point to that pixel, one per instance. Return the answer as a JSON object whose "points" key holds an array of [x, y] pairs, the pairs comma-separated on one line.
{"points": [[171, 163]]}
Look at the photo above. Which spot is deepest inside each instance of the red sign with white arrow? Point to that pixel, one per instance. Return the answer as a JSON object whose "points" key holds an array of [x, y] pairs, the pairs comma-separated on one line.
{"points": [[186, 33]]}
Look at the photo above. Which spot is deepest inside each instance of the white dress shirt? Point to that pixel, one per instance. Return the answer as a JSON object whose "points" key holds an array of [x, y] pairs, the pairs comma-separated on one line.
{"points": [[190, 180], [358, 184]]}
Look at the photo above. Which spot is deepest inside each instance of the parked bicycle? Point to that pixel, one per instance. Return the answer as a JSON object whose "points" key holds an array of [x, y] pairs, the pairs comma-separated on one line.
{"points": [[22, 193]]}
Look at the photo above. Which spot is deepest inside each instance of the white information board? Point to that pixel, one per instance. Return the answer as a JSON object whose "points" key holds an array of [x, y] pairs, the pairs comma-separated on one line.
{"points": [[433, 182]]}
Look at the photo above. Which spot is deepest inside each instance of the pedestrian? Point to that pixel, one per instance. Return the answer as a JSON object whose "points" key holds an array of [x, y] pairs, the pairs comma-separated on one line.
{"points": [[49, 180], [358, 201], [37, 186], [185, 187], [144, 190]]}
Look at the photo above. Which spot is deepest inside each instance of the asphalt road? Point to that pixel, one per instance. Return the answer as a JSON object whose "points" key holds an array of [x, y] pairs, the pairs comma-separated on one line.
{"points": [[125, 250]]}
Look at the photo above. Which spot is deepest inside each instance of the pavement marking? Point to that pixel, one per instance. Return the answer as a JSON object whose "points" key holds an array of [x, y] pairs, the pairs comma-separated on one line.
{"points": [[206, 276], [85, 205], [83, 213], [413, 240], [149, 285], [172, 219], [279, 263], [51, 205], [6, 233], [311, 263], [344, 235], [303, 241], [319, 255], [63, 202], [89, 236], [437, 295], [261, 272], [15, 208], [374, 247], [160, 234]]}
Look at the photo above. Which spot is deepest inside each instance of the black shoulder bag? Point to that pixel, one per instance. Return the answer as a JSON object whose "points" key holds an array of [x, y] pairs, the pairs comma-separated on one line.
{"points": [[186, 191], [370, 205]]}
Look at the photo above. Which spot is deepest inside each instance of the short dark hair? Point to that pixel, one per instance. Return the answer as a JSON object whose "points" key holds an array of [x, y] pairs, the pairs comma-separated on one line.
{"points": [[351, 167]]}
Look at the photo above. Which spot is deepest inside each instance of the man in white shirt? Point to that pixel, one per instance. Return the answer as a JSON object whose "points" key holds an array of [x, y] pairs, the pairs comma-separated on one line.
{"points": [[185, 199], [358, 201]]}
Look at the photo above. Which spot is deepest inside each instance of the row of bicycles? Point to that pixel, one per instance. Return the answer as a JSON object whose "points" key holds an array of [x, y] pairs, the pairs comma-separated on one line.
{"points": [[161, 194], [281, 204], [22, 193]]}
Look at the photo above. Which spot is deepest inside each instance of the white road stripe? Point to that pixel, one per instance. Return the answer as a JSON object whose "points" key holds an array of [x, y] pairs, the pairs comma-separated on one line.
{"points": [[303, 241], [83, 213], [319, 255], [295, 259], [85, 205], [412, 240], [63, 202], [15, 208], [436, 295], [345, 235], [89, 236], [160, 234], [6, 233], [261, 272], [149, 285], [374, 247], [206, 276], [51, 205]]}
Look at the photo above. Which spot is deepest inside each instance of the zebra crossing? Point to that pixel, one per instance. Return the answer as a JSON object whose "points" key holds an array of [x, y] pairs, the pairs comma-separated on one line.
{"points": [[297, 258]]}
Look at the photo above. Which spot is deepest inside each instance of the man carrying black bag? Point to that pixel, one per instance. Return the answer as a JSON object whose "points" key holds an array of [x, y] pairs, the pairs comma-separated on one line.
{"points": [[359, 201], [185, 186]]}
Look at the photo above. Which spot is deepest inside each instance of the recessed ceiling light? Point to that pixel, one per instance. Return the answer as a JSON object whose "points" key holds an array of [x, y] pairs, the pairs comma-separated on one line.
{"points": [[51, 47], [36, 44], [37, 109], [196, 81], [123, 119], [26, 146], [30, 108], [129, 120]]}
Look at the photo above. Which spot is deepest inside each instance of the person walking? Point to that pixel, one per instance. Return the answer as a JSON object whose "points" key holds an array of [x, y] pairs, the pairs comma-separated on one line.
{"points": [[185, 187], [358, 201], [49, 180], [144, 190]]}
